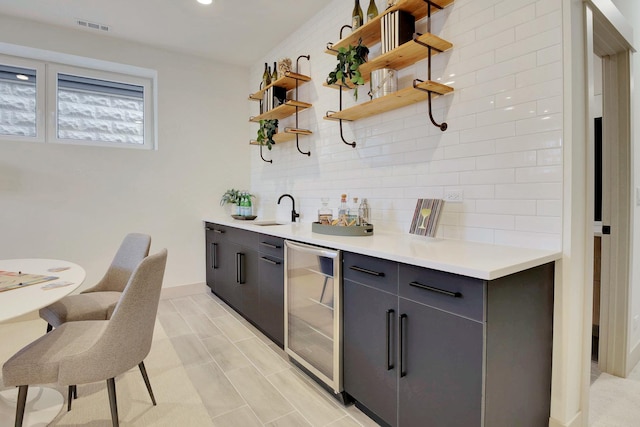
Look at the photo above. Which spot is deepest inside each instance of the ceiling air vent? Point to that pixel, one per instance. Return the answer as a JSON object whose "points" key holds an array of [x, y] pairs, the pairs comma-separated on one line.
{"points": [[92, 25]]}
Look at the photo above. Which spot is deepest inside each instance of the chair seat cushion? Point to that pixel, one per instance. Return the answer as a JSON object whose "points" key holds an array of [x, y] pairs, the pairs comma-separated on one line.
{"points": [[39, 362], [87, 306]]}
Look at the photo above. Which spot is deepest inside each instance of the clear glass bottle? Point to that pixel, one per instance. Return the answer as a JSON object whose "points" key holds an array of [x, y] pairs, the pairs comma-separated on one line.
{"points": [[352, 218], [364, 213], [343, 209], [325, 213], [248, 206]]}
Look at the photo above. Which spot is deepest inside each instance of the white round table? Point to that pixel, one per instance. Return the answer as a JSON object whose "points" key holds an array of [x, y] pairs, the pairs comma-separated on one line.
{"points": [[43, 404]]}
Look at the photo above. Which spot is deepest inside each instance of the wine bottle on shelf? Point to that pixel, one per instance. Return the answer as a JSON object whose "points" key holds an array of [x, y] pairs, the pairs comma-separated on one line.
{"points": [[372, 10], [265, 76], [268, 76], [274, 75], [357, 18]]}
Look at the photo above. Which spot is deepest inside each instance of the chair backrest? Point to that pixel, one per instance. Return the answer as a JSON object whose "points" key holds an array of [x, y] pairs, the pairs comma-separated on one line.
{"points": [[133, 249], [126, 340]]}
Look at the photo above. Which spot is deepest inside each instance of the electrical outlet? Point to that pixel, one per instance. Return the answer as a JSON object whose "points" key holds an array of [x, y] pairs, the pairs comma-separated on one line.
{"points": [[453, 196]]}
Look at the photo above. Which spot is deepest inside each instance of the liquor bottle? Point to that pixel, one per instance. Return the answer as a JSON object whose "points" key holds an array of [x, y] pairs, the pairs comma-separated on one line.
{"points": [[357, 17], [265, 76], [372, 10], [343, 209], [325, 213], [274, 75], [364, 213]]}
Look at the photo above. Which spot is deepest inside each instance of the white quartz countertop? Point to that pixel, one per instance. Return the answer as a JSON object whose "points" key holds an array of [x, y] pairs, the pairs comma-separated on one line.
{"points": [[479, 260]]}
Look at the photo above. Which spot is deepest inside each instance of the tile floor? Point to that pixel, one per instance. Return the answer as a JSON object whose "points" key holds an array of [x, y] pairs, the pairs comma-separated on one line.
{"points": [[243, 378]]}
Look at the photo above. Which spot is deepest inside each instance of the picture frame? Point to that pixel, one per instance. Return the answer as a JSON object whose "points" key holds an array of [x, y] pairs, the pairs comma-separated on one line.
{"points": [[426, 216]]}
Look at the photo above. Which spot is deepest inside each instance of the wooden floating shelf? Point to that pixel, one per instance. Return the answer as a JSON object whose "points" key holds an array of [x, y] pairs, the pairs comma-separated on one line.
{"points": [[289, 134], [390, 102], [371, 33], [401, 57], [285, 110], [288, 81]]}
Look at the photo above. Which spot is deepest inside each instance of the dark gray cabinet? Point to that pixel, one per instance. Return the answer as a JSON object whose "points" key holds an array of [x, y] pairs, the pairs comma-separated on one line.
{"points": [[271, 283], [246, 270], [428, 348]]}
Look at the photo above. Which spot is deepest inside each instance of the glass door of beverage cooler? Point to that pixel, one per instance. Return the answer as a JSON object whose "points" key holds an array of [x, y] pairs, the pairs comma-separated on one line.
{"points": [[313, 311]]}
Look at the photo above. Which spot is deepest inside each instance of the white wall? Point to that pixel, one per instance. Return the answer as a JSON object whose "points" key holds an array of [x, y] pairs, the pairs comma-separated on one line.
{"points": [[77, 203], [503, 147]]}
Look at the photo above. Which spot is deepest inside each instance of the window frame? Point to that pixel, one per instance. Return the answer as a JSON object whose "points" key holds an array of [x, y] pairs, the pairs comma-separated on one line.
{"points": [[40, 69], [44, 60], [54, 69]]}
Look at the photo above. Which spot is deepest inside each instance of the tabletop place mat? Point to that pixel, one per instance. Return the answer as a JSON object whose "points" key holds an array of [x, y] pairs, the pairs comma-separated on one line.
{"points": [[14, 280]]}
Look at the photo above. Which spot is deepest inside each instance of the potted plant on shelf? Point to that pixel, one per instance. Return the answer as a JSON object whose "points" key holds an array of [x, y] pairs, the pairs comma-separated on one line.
{"points": [[348, 69], [268, 128]]}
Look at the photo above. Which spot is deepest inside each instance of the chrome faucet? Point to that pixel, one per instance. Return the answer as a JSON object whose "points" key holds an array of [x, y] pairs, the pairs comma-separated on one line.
{"points": [[294, 214]]}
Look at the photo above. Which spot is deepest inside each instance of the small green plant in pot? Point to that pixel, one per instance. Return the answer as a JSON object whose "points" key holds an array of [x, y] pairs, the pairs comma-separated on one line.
{"points": [[348, 69], [267, 129], [231, 196]]}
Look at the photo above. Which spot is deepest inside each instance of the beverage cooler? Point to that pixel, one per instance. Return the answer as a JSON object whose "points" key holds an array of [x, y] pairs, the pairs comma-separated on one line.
{"points": [[313, 312]]}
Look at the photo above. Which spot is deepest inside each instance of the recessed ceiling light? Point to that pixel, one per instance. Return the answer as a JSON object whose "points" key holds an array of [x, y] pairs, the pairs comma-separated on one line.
{"points": [[22, 77], [205, 1]]}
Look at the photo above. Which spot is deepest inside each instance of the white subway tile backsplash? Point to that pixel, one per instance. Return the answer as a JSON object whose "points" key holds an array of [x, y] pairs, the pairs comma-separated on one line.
{"points": [[503, 147]]}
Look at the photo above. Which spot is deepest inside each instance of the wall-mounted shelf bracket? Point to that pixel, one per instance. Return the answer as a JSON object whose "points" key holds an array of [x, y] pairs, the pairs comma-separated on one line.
{"points": [[352, 144], [262, 157], [443, 126], [307, 57]]}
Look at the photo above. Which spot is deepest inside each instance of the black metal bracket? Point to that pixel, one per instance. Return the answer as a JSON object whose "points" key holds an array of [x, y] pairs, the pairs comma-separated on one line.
{"points": [[262, 157], [307, 57], [343, 28], [443, 126], [352, 144]]}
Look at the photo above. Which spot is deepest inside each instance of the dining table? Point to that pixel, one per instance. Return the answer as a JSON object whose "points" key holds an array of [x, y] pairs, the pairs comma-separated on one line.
{"points": [[27, 285]]}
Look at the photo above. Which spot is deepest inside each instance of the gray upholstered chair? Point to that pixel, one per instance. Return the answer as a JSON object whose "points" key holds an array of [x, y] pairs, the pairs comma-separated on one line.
{"points": [[94, 350], [98, 302]]}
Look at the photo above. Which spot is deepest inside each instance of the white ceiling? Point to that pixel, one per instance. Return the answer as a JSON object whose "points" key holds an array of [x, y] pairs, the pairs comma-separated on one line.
{"points": [[233, 31]]}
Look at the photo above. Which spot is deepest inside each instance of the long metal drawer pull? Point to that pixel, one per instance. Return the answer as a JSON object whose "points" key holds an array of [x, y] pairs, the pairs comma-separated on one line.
{"points": [[270, 261], [403, 318], [364, 270], [214, 255], [389, 316], [270, 245], [218, 231], [438, 290], [239, 278]]}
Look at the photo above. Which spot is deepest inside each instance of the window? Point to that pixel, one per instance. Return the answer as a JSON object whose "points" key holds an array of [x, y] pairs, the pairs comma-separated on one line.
{"points": [[20, 98], [83, 106]]}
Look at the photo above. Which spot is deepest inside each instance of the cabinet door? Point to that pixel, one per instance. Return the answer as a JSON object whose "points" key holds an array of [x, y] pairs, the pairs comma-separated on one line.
{"points": [[370, 358], [215, 237], [440, 368], [247, 280], [226, 283], [271, 320]]}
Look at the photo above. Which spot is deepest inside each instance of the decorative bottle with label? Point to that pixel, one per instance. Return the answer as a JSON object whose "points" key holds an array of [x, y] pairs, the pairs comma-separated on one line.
{"points": [[364, 213], [372, 10], [343, 209], [353, 213], [357, 17]]}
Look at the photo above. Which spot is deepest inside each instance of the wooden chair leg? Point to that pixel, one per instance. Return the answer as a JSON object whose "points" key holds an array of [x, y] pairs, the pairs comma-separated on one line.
{"points": [[111, 387], [49, 327], [143, 371], [22, 401]]}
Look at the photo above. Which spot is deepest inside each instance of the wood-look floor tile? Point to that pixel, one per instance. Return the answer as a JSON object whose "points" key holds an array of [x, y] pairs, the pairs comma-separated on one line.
{"points": [[201, 325], [317, 408], [263, 398], [209, 306], [173, 324], [265, 359], [241, 417], [190, 350], [232, 328], [225, 353], [293, 419], [165, 306], [360, 417], [347, 422], [217, 393], [185, 306]]}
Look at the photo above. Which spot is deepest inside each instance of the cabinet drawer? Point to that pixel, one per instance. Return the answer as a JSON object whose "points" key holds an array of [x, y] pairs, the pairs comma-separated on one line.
{"points": [[218, 232], [445, 291], [378, 273], [271, 245], [243, 237]]}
